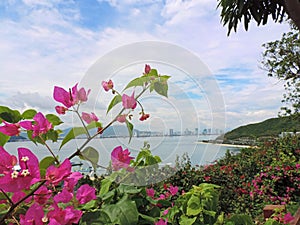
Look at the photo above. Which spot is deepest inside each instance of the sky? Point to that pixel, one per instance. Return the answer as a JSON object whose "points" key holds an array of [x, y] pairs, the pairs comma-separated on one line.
{"points": [[47, 43]]}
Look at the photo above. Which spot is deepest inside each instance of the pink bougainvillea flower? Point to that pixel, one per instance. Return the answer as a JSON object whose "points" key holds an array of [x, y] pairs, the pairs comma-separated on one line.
{"points": [[72, 180], [88, 118], [34, 215], [129, 102], [71, 97], [85, 194], [122, 118], [161, 197], [17, 196], [147, 69], [7, 161], [66, 216], [63, 96], [144, 116], [80, 95], [10, 129], [150, 192], [166, 211], [61, 110], [173, 190], [120, 158], [42, 195], [64, 196], [288, 218], [28, 173], [162, 222], [41, 126], [55, 174], [107, 85]]}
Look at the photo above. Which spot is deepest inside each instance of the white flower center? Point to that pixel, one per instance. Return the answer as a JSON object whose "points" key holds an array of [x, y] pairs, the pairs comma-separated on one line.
{"points": [[25, 173], [25, 158], [14, 174]]}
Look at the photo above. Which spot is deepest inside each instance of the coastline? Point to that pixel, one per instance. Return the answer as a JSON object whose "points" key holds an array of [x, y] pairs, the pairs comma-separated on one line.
{"points": [[226, 145]]}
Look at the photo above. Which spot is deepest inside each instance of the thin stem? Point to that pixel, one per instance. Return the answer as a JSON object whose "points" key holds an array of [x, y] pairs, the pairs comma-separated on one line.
{"points": [[15, 220], [49, 149], [83, 124], [140, 106], [6, 196]]}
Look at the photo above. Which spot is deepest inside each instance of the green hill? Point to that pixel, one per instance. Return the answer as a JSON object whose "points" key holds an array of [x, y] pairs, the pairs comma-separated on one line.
{"points": [[268, 128]]}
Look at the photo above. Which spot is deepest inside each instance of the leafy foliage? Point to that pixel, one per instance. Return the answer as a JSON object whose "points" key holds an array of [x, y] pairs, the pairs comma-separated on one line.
{"points": [[199, 205], [281, 59], [234, 11]]}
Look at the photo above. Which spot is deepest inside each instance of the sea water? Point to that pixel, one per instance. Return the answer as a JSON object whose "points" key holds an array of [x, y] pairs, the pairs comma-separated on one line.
{"points": [[166, 147]]}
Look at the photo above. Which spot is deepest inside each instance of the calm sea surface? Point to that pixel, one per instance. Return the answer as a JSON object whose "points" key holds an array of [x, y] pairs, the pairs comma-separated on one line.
{"points": [[167, 148]]}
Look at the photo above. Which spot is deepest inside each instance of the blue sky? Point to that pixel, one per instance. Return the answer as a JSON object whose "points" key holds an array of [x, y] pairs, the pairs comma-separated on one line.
{"points": [[54, 42]]}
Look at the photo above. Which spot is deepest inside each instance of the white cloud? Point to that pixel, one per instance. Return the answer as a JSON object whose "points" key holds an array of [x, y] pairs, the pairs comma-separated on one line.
{"points": [[124, 3], [46, 48]]}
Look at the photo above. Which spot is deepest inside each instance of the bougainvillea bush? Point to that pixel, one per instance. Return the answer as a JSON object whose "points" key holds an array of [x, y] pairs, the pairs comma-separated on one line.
{"points": [[250, 179]]}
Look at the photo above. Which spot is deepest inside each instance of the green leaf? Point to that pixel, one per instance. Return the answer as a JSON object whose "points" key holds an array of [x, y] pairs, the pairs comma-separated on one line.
{"points": [[242, 219], [55, 120], [124, 212], [98, 217], [184, 220], [3, 209], [140, 81], [3, 139], [94, 124], [161, 88], [128, 189], [130, 129], [153, 72], [45, 163], [74, 132], [92, 155], [147, 218], [117, 99], [105, 185], [193, 206], [9, 115], [89, 205], [52, 135], [29, 114], [272, 222]]}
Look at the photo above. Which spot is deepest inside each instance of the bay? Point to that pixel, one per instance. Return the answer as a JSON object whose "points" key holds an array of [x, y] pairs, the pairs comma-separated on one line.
{"points": [[166, 147]]}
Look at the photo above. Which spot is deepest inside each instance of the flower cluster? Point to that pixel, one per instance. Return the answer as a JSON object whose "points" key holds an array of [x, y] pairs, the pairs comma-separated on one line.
{"points": [[129, 102], [69, 98], [282, 217], [46, 203], [39, 125], [277, 183], [168, 193]]}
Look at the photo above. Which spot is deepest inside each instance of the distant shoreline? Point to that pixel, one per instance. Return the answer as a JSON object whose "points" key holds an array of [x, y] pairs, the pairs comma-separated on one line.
{"points": [[226, 145]]}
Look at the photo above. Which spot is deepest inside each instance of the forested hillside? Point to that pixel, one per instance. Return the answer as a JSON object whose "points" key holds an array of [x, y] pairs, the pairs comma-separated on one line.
{"points": [[271, 127]]}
